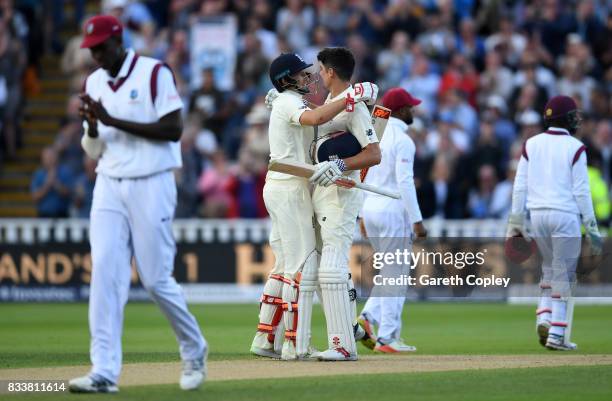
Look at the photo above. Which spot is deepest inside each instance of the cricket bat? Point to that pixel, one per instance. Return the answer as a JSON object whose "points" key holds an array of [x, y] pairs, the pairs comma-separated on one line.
{"points": [[299, 169], [380, 118]]}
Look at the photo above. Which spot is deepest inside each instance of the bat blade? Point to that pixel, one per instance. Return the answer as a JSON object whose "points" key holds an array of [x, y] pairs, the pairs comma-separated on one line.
{"points": [[380, 118]]}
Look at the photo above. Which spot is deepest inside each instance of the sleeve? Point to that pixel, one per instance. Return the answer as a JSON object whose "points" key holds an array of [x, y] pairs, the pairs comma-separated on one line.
{"points": [[294, 111], [404, 173], [519, 191], [360, 125], [164, 94], [581, 188]]}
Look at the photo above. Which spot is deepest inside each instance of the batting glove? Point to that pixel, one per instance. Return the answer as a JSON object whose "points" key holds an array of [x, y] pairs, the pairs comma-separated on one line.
{"points": [[593, 236], [272, 94], [516, 226], [362, 92], [328, 172]]}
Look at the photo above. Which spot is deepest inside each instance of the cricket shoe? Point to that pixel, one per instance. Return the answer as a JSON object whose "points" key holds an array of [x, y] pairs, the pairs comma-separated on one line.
{"points": [[311, 355], [364, 332], [336, 354], [92, 384], [556, 342], [395, 346], [265, 352], [542, 329], [194, 372]]}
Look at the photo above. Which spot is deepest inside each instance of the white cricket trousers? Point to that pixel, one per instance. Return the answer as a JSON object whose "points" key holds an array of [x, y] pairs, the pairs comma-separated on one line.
{"points": [[558, 237], [133, 218], [389, 229]]}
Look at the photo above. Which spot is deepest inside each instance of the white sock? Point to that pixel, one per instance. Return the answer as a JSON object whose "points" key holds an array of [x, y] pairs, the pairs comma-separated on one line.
{"points": [[559, 317]]}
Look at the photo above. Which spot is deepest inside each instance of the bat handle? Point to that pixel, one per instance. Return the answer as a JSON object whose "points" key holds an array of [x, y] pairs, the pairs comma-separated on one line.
{"points": [[377, 190]]}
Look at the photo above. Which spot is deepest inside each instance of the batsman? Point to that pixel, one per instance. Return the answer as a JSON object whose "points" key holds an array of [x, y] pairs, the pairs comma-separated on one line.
{"points": [[288, 200]]}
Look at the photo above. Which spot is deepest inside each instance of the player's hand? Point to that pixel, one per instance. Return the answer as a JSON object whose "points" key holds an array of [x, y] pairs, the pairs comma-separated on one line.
{"points": [[327, 172], [363, 92], [270, 96], [419, 230], [96, 109], [593, 236], [516, 227]]}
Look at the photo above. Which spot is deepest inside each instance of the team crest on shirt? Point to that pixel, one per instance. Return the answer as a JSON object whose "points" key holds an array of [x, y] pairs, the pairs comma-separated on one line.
{"points": [[370, 133], [133, 94]]}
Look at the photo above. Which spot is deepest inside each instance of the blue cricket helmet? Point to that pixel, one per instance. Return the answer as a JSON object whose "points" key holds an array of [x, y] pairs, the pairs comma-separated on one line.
{"points": [[284, 66]]}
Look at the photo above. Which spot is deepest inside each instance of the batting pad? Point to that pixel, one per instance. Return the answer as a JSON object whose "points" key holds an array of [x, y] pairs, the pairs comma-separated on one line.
{"points": [[308, 286], [290, 318], [270, 312], [336, 304]]}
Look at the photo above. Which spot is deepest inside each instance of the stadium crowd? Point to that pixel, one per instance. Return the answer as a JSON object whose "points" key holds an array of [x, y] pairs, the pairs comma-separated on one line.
{"points": [[484, 70]]}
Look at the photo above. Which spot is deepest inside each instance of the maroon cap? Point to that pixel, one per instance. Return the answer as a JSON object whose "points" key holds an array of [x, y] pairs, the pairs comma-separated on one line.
{"points": [[396, 98], [559, 106], [100, 28]]}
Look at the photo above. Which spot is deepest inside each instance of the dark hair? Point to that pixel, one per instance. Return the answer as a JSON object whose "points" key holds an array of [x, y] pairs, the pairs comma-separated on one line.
{"points": [[340, 59]]}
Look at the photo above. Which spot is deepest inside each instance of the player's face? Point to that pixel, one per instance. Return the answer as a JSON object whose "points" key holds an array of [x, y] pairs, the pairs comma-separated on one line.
{"points": [[326, 75], [405, 114], [107, 54]]}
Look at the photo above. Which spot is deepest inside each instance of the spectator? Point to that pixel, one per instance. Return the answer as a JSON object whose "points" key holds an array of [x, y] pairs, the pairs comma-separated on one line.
{"points": [[83, 189], [460, 111], [295, 21], [394, 64], [213, 186], [334, 18], [530, 124], [423, 84], [51, 186], [469, 44], [575, 82], [487, 150], [365, 61], [68, 142], [246, 187], [267, 38], [501, 201], [438, 39], [495, 79], [256, 135], [479, 201], [439, 196], [496, 112], [510, 43], [187, 176], [252, 64], [367, 20], [403, 15], [12, 67], [447, 137], [207, 104]]}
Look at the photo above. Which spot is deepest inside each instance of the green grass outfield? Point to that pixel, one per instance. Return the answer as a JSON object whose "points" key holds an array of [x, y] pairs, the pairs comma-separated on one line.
{"points": [[37, 335]]}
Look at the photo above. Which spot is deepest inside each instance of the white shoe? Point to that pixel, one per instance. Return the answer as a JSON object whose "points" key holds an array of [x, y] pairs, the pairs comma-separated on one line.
{"points": [[88, 384], [542, 329], [556, 342], [336, 354], [393, 347], [265, 352], [194, 373], [311, 355]]}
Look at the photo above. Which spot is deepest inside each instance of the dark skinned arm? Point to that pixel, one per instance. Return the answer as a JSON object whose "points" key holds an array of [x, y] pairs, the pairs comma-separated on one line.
{"points": [[167, 128]]}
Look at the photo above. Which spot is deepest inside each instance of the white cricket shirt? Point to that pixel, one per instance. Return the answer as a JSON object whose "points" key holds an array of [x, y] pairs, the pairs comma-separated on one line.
{"points": [[143, 92], [553, 173], [285, 133], [395, 172]]}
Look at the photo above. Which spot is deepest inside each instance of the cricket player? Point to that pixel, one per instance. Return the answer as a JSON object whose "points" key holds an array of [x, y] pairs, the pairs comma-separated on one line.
{"points": [[288, 199], [341, 148], [132, 114], [552, 184], [391, 223]]}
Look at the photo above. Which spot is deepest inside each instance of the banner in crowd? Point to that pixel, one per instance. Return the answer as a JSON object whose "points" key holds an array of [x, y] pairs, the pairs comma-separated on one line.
{"points": [[213, 46]]}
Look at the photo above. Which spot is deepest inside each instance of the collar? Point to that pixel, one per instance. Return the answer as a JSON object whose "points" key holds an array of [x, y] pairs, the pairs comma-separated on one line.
{"points": [[124, 72], [341, 95], [556, 131], [398, 123]]}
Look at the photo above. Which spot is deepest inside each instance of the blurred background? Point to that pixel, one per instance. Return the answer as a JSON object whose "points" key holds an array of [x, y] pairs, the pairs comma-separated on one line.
{"points": [[484, 70]]}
